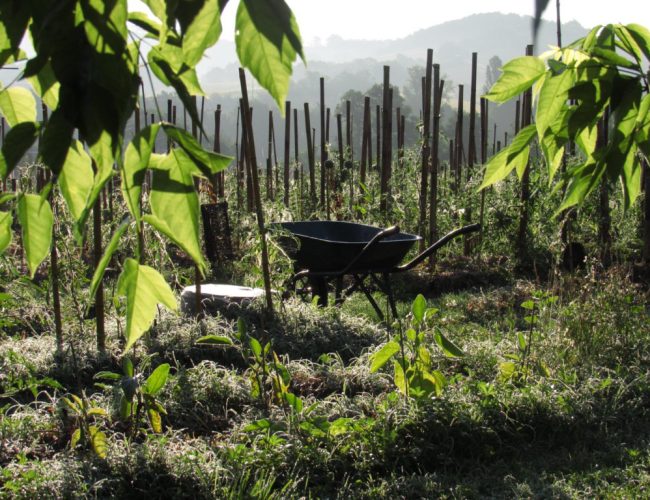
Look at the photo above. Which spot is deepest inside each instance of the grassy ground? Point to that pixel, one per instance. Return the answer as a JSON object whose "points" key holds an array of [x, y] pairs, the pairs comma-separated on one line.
{"points": [[565, 414]]}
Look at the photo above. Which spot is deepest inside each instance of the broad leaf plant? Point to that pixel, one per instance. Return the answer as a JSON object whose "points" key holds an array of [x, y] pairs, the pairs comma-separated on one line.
{"points": [[574, 86], [90, 59]]}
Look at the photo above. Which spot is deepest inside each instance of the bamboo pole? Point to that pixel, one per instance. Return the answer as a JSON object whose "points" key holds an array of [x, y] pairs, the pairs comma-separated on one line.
{"points": [[471, 153], [438, 87], [386, 140], [323, 150], [426, 153]]}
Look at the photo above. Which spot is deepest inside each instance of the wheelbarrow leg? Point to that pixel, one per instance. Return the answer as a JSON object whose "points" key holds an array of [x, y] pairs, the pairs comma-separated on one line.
{"points": [[369, 296], [338, 294], [319, 288], [391, 297]]}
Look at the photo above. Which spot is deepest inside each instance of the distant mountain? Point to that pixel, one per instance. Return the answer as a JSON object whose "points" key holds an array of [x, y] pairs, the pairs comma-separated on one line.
{"points": [[357, 64]]}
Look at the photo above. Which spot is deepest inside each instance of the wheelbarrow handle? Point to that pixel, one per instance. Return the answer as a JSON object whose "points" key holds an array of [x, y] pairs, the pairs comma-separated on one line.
{"points": [[471, 228]]}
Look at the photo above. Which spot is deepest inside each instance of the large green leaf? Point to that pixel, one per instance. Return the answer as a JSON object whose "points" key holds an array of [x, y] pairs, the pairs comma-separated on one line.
{"points": [[14, 17], [106, 258], [418, 307], [203, 32], [450, 349], [381, 357], [552, 98], [642, 136], [209, 163], [517, 76], [56, 140], [268, 41], [36, 220], [136, 161], [17, 104], [16, 143], [5, 231], [98, 441], [513, 157], [76, 179], [641, 36], [144, 288], [105, 25], [46, 86], [582, 180], [175, 204]]}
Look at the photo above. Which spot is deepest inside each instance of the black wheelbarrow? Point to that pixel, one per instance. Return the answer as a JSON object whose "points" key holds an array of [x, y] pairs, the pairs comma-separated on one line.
{"points": [[329, 250]]}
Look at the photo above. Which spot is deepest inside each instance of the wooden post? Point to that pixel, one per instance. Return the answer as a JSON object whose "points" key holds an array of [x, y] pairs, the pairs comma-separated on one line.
{"points": [[438, 86], [221, 176], [269, 160], [238, 161], [287, 150], [471, 152], [484, 145], [366, 149], [310, 156], [426, 153], [378, 136], [323, 150], [522, 239], [459, 139], [386, 140], [252, 166], [327, 125], [605, 217]]}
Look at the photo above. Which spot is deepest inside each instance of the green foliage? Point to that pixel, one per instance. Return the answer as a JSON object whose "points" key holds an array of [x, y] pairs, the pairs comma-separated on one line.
{"points": [[575, 85], [144, 289], [139, 398], [414, 372], [36, 220], [84, 413], [97, 105], [268, 41]]}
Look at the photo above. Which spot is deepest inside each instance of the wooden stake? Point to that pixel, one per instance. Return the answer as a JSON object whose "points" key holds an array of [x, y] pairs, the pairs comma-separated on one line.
{"points": [[323, 151], [310, 156], [252, 166], [426, 153], [287, 150]]}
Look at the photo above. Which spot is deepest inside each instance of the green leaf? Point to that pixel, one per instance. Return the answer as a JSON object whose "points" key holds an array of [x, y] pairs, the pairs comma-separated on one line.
{"points": [[450, 349], [46, 86], [208, 163], [552, 98], [56, 141], [399, 377], [381, 357], [611, 57], [268, 41], [528, 305], [14, 17], [628, 43], [144, 289], [76, 179], [294, 402], [98, 441], [521, 341], [255, 346], [641, 36], [18, 105], [203, 32], [98, 275], [74, 440], [642, 136], [156, 381], [105, 25], [582, 180], [143, 21], [155, 420], [215, 339], [175, 205], [16, 143], [5, 231], [36, 219], [136, 161], [517, 76], [418, 308], [515, 156], [106, 375], [127, 367]]}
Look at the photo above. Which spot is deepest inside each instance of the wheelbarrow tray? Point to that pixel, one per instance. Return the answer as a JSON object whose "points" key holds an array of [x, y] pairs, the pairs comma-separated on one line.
{"points": [[329, 246]]}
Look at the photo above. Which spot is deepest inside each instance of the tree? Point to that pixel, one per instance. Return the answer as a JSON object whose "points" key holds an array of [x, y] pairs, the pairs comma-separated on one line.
{"points": [[86, 69], [492, 73]]}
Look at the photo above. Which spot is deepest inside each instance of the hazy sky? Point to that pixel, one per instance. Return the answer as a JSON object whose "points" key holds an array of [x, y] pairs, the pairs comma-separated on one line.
{"points": [[380, 19]]}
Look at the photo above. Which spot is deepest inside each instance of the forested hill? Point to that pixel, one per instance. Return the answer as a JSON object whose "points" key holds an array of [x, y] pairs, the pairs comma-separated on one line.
{"points": [[357, 64]]}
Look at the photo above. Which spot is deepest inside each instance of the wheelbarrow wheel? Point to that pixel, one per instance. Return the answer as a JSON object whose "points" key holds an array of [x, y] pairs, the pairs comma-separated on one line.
{"points": [[298, 286]]}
